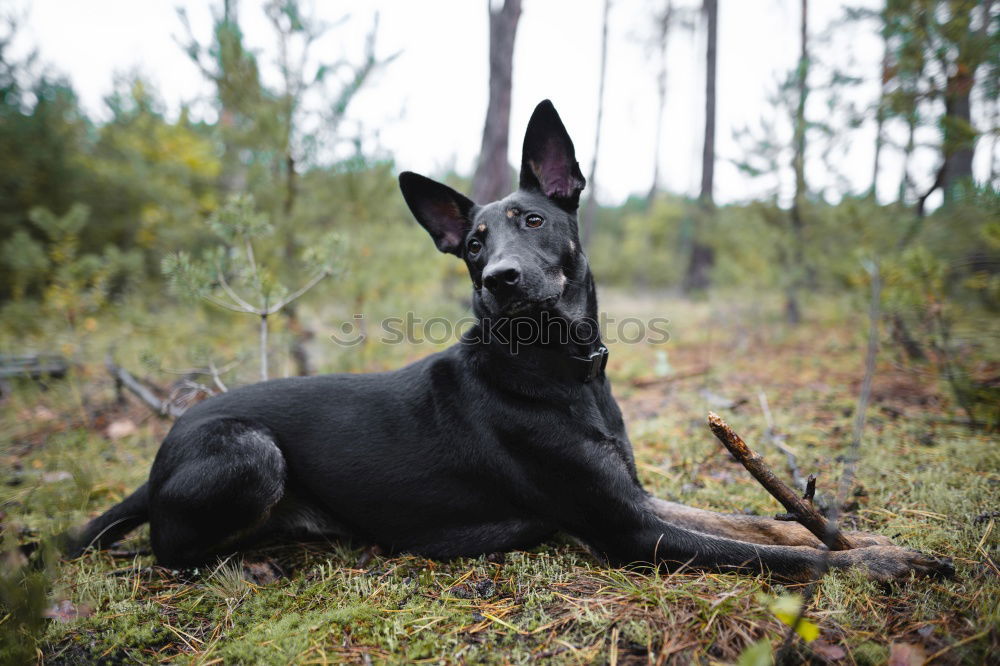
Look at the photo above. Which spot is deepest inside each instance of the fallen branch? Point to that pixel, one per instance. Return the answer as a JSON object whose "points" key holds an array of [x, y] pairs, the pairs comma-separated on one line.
{"points": [[804, 512], [34, 366], [125, 379], [645, 382]]}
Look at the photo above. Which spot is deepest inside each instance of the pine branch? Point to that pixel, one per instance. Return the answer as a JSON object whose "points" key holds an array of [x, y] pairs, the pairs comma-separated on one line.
{"points": [[295, 295]]}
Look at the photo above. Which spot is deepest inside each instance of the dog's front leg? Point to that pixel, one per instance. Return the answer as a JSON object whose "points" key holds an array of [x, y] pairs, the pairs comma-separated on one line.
{"points": [[658, 543], [752, 529]]}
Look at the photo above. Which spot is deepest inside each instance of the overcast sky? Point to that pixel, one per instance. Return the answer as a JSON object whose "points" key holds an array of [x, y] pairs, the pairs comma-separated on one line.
{"points": [[427, 108]]}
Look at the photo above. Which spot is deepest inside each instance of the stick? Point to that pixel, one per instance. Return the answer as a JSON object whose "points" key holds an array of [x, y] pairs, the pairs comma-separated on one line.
{"points": [[644, 382], [804, 512], [163, 408]]}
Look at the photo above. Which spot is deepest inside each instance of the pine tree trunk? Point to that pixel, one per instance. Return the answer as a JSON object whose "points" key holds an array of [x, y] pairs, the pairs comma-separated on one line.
{"points": [[702, 256], [233, 176], [492, 179], [590, 212], [959, 134], [904, 179], [880, 118], [663, 22], [711, 9], [793, 311], [959, 138]]}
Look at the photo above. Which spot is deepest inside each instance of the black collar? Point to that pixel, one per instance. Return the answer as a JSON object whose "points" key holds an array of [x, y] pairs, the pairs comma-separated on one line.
{"points": [[592, 366], [543, 363], [547, 361], [583, 369]]}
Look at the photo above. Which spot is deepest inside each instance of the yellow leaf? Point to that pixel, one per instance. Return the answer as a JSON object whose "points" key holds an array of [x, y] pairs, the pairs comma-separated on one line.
{"points": [[786, 609]]}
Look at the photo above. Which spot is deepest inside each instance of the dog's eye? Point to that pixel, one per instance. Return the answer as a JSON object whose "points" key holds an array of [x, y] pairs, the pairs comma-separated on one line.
{"points": [[533, 221], [475, 246]]}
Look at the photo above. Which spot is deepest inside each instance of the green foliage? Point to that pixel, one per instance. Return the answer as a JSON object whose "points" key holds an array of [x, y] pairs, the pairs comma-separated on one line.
{"points": [[25, 262], [758, 654], [647, 248], [24, 591], [153, 179], [144, 179], [942, 291], [42, 136], [71, 284], [234, 276], [233, 272]]}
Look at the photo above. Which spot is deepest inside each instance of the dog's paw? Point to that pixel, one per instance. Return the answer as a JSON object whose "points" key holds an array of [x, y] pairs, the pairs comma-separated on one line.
{"points": [[866, 539], [892, 563]]}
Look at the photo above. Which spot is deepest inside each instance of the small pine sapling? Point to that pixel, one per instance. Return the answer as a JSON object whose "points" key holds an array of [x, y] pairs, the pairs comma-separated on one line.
{"points": [[230, 275]]}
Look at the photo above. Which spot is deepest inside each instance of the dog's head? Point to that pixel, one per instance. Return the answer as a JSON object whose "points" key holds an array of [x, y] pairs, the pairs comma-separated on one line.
{"points": [[523, 252]]}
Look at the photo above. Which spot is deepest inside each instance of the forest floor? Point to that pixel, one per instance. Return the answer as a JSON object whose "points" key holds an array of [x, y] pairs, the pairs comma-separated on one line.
{"points": [[923, 478]]}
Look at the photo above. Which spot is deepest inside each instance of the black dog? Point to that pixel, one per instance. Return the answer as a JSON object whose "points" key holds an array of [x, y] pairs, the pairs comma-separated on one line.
{"points": [[495, 444]]}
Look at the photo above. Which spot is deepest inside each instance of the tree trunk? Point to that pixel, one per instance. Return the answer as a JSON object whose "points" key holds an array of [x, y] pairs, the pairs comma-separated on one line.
{"points": [[233, 176], [992, 178], [493, 178], [904, 179], [880, 117], [663, 23], [959, 134], [711, 9], [702, 256], [590, 212], [793, 312]]}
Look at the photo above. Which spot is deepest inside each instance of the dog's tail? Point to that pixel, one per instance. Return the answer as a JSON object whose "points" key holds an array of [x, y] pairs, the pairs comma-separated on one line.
{"points": [[111, 525]]}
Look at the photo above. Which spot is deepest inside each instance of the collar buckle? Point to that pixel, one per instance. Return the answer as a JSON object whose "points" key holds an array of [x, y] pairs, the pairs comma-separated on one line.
{"points": [[596, 361]]}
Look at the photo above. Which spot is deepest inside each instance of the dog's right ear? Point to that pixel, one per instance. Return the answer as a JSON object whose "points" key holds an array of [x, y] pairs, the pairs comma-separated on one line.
{"points": [[443, 212]]}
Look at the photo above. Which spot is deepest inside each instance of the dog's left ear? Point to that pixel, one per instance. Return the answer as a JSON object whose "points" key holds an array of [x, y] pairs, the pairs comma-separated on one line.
{"points": [[443, 212], [548, 160]]}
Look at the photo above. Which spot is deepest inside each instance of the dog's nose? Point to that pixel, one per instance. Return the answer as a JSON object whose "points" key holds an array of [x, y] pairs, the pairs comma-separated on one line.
{"points": [[501, 276]]}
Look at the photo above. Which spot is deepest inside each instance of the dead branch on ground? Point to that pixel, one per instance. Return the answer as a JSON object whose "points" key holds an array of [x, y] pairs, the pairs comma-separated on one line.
{"points": [[644, 382], [124, 379], [803, 511]]}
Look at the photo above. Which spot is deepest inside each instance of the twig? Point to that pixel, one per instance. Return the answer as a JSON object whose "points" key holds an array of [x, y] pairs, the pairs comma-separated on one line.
{"points": [[804, 512], [186, 392], [162, 408], [810, 494], [643, 383], [296, 294], [216, 378], [212, 371], [215, 300], [224, 283]]}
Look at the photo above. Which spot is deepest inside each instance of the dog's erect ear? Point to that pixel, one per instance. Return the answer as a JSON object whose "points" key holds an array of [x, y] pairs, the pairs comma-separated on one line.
{"points": [[443, 212], [548, 161]]}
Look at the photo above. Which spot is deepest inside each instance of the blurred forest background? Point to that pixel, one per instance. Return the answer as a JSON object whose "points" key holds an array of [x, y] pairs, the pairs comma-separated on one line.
{"points": [[173, 255], [97, 217]]}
